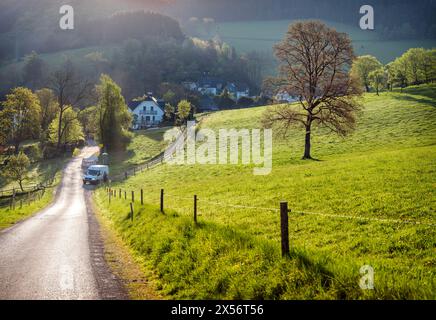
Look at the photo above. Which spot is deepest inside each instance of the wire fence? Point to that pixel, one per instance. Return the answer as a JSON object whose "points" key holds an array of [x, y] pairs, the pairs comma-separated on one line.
{"points": [[133, 198], [155, 161], [18, 200], [10, 196]]}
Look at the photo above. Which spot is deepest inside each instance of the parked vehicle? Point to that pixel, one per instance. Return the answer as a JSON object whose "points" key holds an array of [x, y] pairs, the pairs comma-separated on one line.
{"points": [[96, 174]]}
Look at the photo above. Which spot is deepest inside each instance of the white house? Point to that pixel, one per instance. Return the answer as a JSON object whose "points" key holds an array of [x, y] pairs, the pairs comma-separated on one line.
{"points": [[284, 96], [147, 112]]}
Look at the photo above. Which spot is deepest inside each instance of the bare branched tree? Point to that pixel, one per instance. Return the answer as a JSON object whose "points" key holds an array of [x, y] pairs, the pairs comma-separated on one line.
{"points": [[314, 66], [70, 90]]}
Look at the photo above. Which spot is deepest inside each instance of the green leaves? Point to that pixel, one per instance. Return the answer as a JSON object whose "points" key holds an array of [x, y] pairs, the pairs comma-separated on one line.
{"points": [[20, 118]]}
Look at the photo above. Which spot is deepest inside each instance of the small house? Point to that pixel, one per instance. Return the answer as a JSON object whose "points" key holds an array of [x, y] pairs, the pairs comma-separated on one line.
{"points": [[147, 112]]}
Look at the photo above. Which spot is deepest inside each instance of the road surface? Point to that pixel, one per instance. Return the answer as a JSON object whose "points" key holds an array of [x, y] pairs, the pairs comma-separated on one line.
{"points": [[58, 253]]}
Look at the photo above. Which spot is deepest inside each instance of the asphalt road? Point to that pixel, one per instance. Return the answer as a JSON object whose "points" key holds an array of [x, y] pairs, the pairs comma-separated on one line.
{"points": [[58, 253]]}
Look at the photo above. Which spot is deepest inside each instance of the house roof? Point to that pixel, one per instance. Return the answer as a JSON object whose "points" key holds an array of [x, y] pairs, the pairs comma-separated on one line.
{"points": [[135, 102]]}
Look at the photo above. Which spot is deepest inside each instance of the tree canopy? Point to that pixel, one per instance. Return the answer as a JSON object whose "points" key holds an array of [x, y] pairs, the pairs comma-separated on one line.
{"points": [[113, 116], [20, 117], [363, 66], [315, 63]]}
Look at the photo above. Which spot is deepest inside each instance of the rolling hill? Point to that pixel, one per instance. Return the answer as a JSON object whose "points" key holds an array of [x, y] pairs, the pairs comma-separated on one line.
{"points": [[369, 200]]}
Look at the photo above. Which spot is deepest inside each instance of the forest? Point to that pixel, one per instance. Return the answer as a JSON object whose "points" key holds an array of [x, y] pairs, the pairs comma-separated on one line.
{"points": [[155, 60]]}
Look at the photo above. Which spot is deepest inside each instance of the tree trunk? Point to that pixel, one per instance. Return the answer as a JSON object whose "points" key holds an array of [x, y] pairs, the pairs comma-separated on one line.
{"points": [[367, 87], [21, 185], [59, 130], [307, 143], [16, 146]]}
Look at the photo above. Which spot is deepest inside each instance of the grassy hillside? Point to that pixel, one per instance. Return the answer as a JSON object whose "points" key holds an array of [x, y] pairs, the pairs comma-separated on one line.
{"points": [[385, 170], [145, 145], [262, 35]]}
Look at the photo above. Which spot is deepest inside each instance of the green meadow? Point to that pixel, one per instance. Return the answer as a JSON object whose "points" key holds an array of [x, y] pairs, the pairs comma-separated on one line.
{"points": [[144, 145], [369, 199]]}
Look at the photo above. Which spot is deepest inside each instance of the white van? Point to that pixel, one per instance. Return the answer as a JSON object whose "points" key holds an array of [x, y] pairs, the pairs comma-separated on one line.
{"points": [[96, 174]]}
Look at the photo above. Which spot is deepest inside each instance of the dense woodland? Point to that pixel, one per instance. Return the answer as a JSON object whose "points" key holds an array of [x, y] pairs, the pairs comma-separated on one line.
{"points": [[154, 60]]}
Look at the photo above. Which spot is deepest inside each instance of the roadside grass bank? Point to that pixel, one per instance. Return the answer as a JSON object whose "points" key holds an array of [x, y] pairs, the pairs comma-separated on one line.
{"points": [[139, 281], [25, 207]]}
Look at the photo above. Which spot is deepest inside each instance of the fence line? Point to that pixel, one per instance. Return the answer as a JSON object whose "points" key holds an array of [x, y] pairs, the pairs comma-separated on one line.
{"points": [[7, 199], [283, 209], [153, 162], [200, 200]]}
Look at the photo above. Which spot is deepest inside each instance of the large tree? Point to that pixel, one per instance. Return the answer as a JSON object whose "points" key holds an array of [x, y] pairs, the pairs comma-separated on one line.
{"points": [[20, 117], [49, 107], [71, 91], [71, 130], [314, 65], [363, 66], [415, 58], [113, 116], [378, 79]]}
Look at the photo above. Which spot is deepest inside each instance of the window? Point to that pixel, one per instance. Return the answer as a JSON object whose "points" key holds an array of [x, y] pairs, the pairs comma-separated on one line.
{"points": [[147, 118], [153, 118], [144, 108], [151, 108]]}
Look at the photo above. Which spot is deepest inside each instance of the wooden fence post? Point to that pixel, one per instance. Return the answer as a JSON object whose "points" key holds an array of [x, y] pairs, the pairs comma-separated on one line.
{"points": [[162, 200], [125, 195], [13, 199], [284, 226], [110, 196], [131, 211], [119, 194], [125, 174], [195, 209], [133, 196], [142, 197]]}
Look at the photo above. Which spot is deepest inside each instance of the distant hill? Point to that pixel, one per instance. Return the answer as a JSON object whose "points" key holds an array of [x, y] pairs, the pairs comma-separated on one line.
{"points": [[397, 18], [34, 25]]}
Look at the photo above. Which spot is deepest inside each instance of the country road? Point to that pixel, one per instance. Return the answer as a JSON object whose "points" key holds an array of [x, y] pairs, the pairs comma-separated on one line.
{"points": [[58, 253]]}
